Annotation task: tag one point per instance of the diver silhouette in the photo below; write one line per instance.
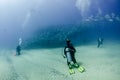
(100, 42)
(69, 53)
(18, 48)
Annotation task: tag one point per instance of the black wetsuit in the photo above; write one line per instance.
(18, 49)
(72, 51)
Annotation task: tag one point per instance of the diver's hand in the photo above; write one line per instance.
(64, 56)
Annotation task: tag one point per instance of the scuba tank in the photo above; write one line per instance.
(68, 55)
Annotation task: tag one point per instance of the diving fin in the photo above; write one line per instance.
(81, 69)
(71, 71)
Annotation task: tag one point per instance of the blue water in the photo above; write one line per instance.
(83, 33)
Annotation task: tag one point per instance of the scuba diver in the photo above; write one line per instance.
(69, 53)
(100, 42)
(18, 48)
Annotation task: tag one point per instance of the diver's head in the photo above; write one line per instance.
(68, 41)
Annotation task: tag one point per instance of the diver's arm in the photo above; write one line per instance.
(64, 53)
(73, 49)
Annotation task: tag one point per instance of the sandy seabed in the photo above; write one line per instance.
(48, 64)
